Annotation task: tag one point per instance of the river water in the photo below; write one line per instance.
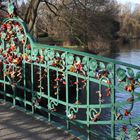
(129, 53)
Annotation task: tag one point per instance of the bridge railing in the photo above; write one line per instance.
(81, 90)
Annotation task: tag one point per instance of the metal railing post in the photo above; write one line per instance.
(32, 85)
(113, 103)
(88, 103)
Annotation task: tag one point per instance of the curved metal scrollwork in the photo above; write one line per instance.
(52, 105)
(128, 81)
(71, 113)
(93, 113)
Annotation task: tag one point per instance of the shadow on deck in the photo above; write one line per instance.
(16, 125)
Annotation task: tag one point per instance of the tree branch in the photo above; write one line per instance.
(48, 5)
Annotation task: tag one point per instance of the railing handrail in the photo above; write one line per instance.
(98, 57)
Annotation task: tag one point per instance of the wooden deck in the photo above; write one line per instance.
(16, 125)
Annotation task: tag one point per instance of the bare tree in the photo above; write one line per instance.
(76, 22)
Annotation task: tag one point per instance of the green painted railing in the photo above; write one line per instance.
(76, 89)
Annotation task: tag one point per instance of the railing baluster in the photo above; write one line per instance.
(67, 100)
(67, 95)
(24, 79)
(113, 102)
(88, 108)
(48, 83)
(4, 82)
(14, 91)
(32, 85)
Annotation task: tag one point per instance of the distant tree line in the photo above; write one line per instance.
(92, 24)
(129, 21)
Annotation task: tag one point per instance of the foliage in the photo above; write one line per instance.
(74, 22)
(130, 21)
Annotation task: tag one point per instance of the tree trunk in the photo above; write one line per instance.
(31, 14)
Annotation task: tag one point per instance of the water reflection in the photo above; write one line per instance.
(129, 53)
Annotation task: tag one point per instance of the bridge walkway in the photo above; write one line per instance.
(17, 125)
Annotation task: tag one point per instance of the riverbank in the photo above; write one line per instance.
(100, 48)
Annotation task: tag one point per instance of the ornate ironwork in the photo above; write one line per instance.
(45, 73)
